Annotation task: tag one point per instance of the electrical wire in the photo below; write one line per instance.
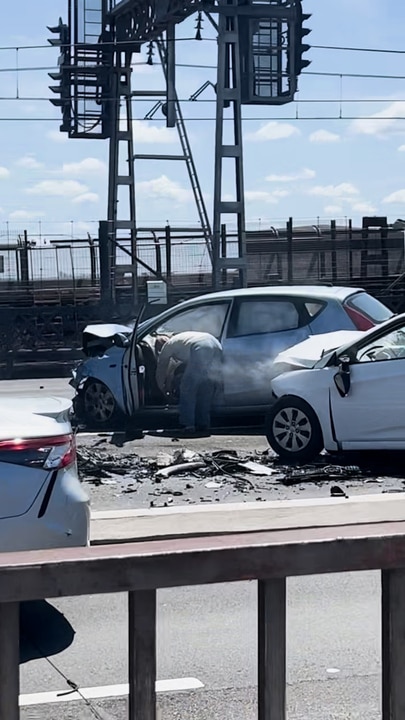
(114, 43)
(74, 688)
(358, 49)
(287, 118)
(196, 66)
(308, 101)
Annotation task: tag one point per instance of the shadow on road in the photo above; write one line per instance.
(44, 631)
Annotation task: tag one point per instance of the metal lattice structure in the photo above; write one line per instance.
(260, 52)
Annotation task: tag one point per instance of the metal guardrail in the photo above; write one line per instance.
(269, 557)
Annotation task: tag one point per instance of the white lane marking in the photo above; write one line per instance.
(106, 691)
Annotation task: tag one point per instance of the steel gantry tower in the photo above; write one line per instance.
(260, 47)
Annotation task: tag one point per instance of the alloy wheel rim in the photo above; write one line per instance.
(292, 429)
(99, 402)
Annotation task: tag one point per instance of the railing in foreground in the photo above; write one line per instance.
(268, 556)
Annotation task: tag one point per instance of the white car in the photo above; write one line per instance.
(42, 502)
(353, 398)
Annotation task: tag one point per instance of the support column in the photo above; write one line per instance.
(9, 661)
(141, 655)
(122, 139)
(393, 644)
(272, 649)
(229, 95)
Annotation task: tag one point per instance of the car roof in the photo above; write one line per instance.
(315, 292)
(324, 292)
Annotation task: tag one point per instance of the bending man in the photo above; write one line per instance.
(201, 354)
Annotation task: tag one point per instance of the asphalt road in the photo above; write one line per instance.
(208, 633)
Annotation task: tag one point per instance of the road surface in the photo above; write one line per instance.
(209, 634)
(206, 637)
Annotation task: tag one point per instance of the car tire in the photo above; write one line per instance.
(293, 430)
(98, 405)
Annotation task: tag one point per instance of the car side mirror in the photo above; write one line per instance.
(342, 377)
(121, 340)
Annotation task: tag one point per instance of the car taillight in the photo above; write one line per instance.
(50, 453)
(361, 321)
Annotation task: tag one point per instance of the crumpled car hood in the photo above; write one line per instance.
(98, 338)
(307, 353)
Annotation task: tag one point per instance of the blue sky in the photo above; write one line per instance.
(316, 167)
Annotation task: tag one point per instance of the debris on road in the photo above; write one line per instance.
(257, 468)
(204, 476)
(180, 468)
(321, 472)
(337, 491)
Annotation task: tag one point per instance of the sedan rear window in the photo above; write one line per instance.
(369, 307)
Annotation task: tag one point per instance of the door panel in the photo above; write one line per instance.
(258, 330)
(373, 413)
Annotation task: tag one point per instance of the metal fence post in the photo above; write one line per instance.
(142, 655)
(272, 649)
(393, 643)
(290, 251)
(9, 660)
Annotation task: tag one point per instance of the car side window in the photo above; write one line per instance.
(314, 307)
(388, 347)
(209, 318)
(257, 317)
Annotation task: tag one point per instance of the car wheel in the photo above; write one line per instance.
(293, 430)
(98, 404)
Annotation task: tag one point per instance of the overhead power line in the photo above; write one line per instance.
(386, 51)
(358, 49)
(287, 118)
(211, 101)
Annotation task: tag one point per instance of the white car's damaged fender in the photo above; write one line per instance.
(306, 385)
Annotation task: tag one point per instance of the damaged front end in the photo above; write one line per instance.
(96, 339)
(104, 346)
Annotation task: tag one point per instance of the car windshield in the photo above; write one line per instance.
(388, 347)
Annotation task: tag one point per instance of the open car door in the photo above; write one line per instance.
(131, 370)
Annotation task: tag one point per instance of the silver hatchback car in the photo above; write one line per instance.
(117, 380)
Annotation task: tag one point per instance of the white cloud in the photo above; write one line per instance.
(401, 148)
(25, 215)
(164, 188)
(144, 133)
(58, 188)
(381, 123)
(395, 197)
(89, 197)
(260, 196)
(4, 173)
(85, 227)
(29, 162)
(87, 166)
(333, 210)
(57, 136)
(281, 193)
(364, 207)
(305, 174)
(273, 131)
(324, 136)
(344, 191)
